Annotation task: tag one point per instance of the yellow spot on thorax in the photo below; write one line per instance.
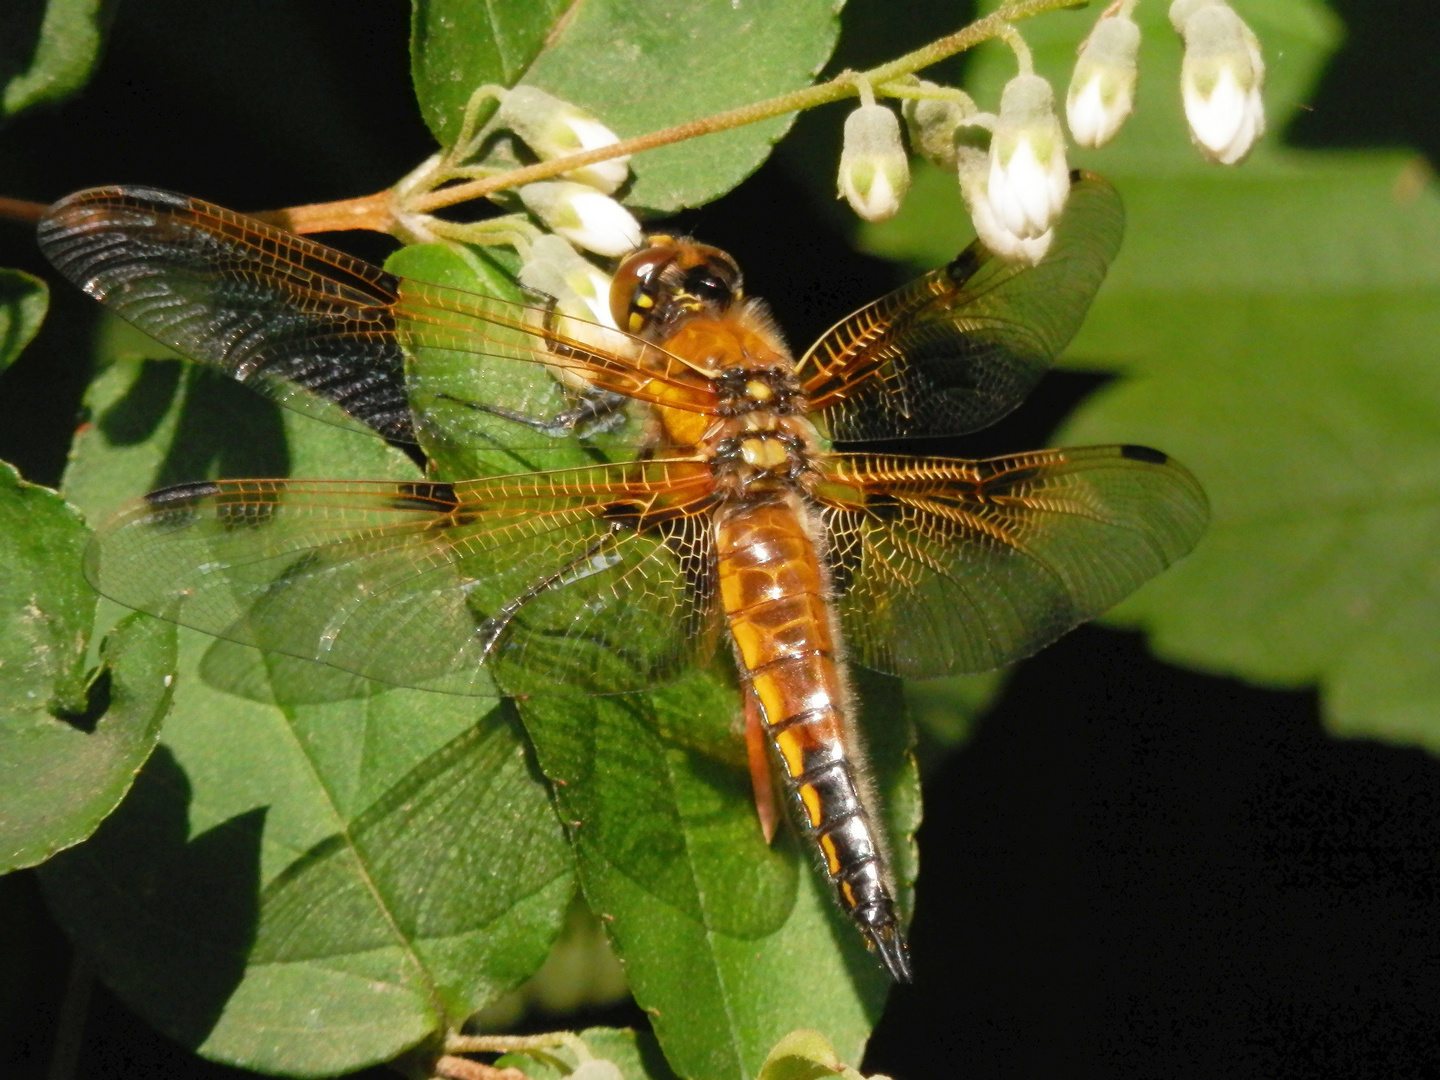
(762, 453)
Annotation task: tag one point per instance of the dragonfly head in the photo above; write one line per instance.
(672, 279)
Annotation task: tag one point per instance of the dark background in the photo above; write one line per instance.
(1131, 870)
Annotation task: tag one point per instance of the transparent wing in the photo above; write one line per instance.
(588, 580)
(945, 566)
(301, 322)
(962, 346)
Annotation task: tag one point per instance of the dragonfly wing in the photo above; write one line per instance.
(944, 566)
(305, 324)
(297, 321)
(956, 350)
(590, 580)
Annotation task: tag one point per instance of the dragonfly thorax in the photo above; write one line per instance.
(748, 390)
(761, 452)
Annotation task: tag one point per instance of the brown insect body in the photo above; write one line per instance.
(774, 586)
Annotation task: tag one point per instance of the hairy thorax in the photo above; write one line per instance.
(761, 444)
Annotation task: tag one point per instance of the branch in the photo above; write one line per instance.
(21, 210)
(380, 212)
(837, 89)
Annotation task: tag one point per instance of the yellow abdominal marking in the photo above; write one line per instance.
(761, 453)
(792, 751)
(811, 798)
(758, 391)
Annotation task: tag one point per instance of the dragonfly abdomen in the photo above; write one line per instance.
(776, 600)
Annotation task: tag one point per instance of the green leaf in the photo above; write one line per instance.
(65, 761)
(23, 300)
(637, 71)
(726, 942)
(459, 45)
(1277, 323)
(60, 777)
(48, 49)
(464, 442)
(46, 603)
(314, 872)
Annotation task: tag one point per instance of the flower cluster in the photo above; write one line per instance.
(1017, 189)
(578, 207)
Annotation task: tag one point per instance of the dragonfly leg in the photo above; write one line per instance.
(597, 412)
(582, 565)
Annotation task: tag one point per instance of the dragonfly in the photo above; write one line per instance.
(745, 507)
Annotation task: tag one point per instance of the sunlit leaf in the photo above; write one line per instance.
(1277, 322)
(47, 49)
(636, 68)
(804, 1055)
(67, 757)
(634, 1054)
(727, 942)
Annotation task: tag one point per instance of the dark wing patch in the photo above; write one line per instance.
(959, 348)
(291, 318)
(304, 324)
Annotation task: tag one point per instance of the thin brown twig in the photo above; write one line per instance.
(374, 212)
(842, 86)
(21, 210)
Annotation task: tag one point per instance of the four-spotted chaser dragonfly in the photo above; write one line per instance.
(728, 519)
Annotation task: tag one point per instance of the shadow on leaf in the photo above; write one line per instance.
(167, 920)
(225, 430)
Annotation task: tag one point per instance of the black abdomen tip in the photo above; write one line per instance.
(883, 934)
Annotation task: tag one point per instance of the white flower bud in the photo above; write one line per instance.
(555, 129)
(932, 123)
(580, 287)
(1102, 89)
(1221, 79)
(582, 299)
(874, 172)
(583, 216)
(1029, 179)
(973, 167)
